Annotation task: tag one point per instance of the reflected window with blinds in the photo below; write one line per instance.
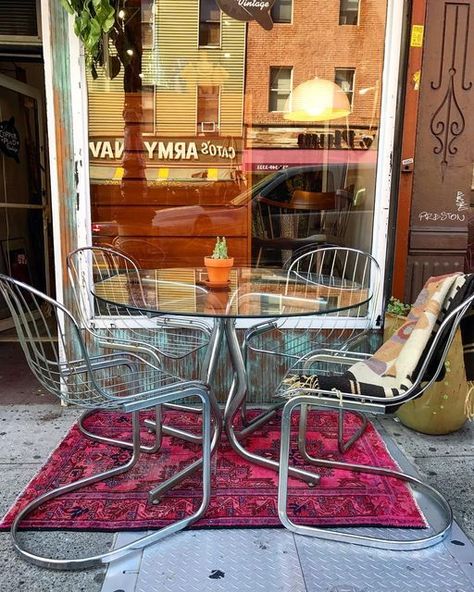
(20, 21)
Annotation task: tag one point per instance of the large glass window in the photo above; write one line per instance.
(209, 23)
(280, 88)
(210, 116)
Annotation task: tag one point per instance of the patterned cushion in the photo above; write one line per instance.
(389, 371)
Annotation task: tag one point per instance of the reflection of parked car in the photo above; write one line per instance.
(186, 233)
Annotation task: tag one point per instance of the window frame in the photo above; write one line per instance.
(153, 94)
(152, 22)
(27, 39)
(275, 90)
(357, 23)
(217, 131)
(351, 93)
(199, 45)
(290, 22)
(392, 74)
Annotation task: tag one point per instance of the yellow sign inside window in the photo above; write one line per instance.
(417, 35)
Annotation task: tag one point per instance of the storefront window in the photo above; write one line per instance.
(211, 118)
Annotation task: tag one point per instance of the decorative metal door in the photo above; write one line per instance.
(443, 171)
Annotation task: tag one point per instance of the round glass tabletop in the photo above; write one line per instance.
(249, 293)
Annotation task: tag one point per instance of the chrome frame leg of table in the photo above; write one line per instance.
(208, 370)
(235, 399)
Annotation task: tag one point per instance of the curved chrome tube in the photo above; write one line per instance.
(345, 537)
(103, 558)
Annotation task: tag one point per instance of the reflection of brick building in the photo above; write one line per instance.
(315, 44)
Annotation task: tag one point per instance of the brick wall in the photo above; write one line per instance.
(314, 44)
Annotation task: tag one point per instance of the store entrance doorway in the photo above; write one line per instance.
(25, 249)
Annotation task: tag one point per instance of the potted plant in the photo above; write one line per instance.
(395, 316)
(219, 264)
(441, 409)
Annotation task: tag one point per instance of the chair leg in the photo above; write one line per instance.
(342, 445)
(440, 531)
(97, 560)
(155, 494)
(157, 429)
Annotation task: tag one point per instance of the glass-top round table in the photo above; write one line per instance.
(252, 293)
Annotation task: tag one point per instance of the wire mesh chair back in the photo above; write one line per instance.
(91, 265)
(352, 277)
(33, 314)
(173, 338)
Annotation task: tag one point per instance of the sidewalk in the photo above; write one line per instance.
(29, 432)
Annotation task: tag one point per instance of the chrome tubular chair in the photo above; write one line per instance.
(337, 266)
(428, 368)
(160, 337)
(122, 381)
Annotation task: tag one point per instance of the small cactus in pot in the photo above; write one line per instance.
(219, 264)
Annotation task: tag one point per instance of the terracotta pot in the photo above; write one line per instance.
(442, 408)
(218, 270)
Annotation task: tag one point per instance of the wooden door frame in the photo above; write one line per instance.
(410, 120)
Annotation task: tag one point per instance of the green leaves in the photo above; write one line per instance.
(105, 14)
(397, 307)
(93, 18)
(67, 5)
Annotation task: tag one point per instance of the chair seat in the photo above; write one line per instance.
(391, 370)
(176, 342)
(132, 382)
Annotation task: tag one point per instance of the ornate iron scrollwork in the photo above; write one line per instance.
(448, 122)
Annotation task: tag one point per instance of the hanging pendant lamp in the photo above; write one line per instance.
(317, 100)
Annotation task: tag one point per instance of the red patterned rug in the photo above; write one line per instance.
(243, 495)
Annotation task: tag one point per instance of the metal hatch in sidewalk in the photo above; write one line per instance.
(276, 560)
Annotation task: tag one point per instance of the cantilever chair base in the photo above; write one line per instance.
(104, 558)
(440, 532)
